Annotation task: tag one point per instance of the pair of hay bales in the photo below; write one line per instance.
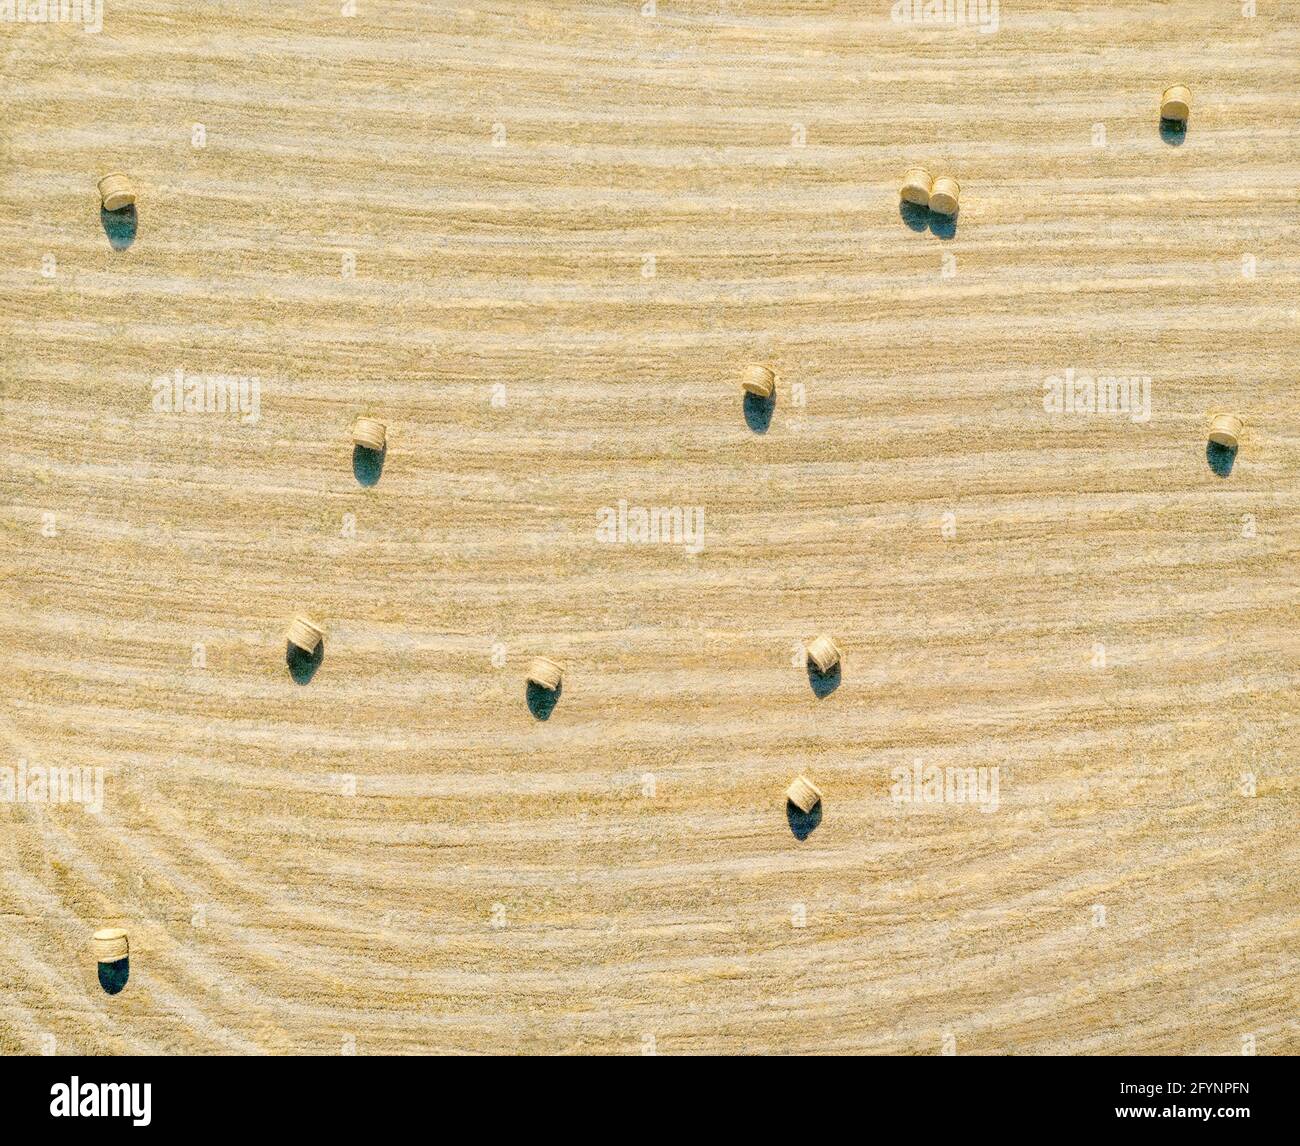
(1225, 429)
(306, 634)
(944, 193)
(941, 195)
(803, 793)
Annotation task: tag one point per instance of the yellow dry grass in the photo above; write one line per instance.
(398, 853)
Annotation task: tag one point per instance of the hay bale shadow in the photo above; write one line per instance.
(368, 464)
(914, 215)
(823, 683)
(943, 226)
(542, 700)
(758, 411)
(113, 976)
(303, 665)
(119, 226)
(1173, 131)
(802, 823)
(1220, 457)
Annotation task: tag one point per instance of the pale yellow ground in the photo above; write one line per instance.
(269, 911)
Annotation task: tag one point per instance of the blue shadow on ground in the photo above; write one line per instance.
(119, 226)
(758, 411)
(542, 701)
(1220, 458)
(1173, 131)
(914, 215)
(113, 976)
(920, 218)
(823, 683)
(368, 464)
(802, 823)
(942, 226)
(303, 666)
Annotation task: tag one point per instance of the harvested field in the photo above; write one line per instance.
(541, 242)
